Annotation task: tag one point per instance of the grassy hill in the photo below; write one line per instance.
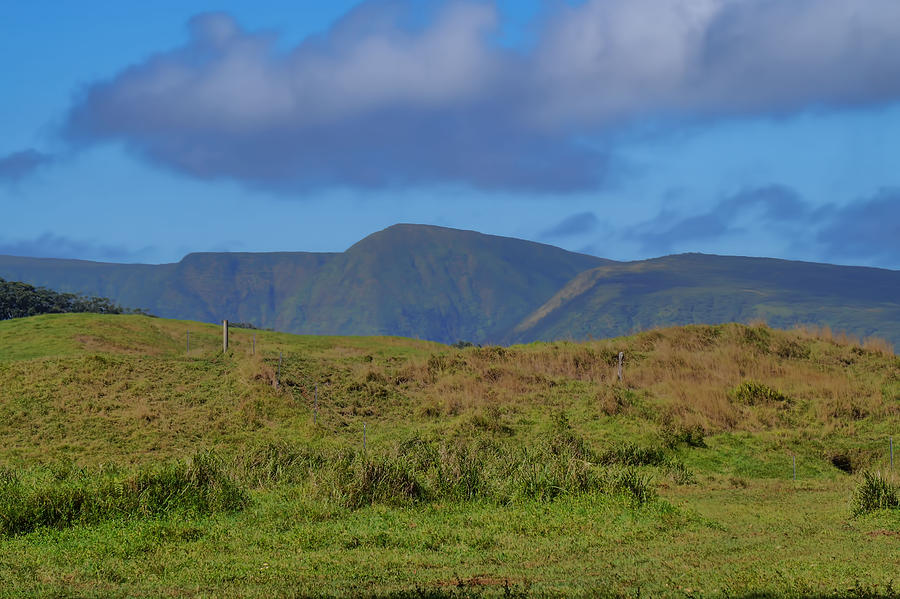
(615, 299)
(411, 280)
(380, 465)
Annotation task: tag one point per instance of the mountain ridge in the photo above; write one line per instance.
(447, 285)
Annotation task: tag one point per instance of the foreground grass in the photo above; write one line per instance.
(771, 539)
(382, 465)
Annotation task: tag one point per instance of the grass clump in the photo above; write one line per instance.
(65, 497)
(752, 393)
(631, 454)
(418, 471)
(874, 493)
(382, 480)
(673, 435)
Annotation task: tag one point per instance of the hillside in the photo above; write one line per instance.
(448, 285)
(411, 280)
(383, 466)
(615, 299)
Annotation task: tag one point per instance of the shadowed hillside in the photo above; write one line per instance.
(448, 285)
(411, 280)
(616, 299)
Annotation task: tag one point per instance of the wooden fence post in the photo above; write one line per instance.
(224, 336)
(621, 358)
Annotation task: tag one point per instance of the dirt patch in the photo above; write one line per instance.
(476, 581)
(884, 533)
(98, 344)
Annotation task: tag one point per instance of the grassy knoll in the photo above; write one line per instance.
(395, 467)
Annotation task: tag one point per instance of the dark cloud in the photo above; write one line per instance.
(576, 224)
(773, 205)
(864, 231)
(18, 165)
(49, 245)
(868, 229)
(386, 98)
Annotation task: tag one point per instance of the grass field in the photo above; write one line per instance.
(396, 467)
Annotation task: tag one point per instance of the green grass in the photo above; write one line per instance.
(131, 468)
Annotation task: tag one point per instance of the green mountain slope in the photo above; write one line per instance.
(411, 280)
(245, 287)
(694, 288)
(448, 285)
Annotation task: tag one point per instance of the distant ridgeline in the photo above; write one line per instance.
(448, 285)
(18, 300)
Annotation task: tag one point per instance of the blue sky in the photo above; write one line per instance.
(623, 128)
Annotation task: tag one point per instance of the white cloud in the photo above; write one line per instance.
(377, 102)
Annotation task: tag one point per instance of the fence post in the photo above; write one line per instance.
(224, 335)
(621, 357)
(253, 350)
(188, 342)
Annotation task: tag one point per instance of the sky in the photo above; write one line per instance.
(626, 129)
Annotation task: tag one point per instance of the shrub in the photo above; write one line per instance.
(673, 435)
(874, 493)
(752, 393)
(790, 349)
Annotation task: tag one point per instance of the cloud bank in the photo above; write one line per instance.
(383, 100)
(772, 205)
(575, 224)
(50, 245)
(18, 165)
(866, 229)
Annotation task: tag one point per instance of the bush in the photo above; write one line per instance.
(874, 493)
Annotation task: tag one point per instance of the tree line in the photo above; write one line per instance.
(18, 300)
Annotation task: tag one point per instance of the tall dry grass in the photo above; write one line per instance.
(684, 375)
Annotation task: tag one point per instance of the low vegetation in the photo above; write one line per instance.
(65, 496)
(875, 492)
(18, 300)
(302, 466)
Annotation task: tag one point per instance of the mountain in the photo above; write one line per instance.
(449, 285)
(695, 288)
(410, 280)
